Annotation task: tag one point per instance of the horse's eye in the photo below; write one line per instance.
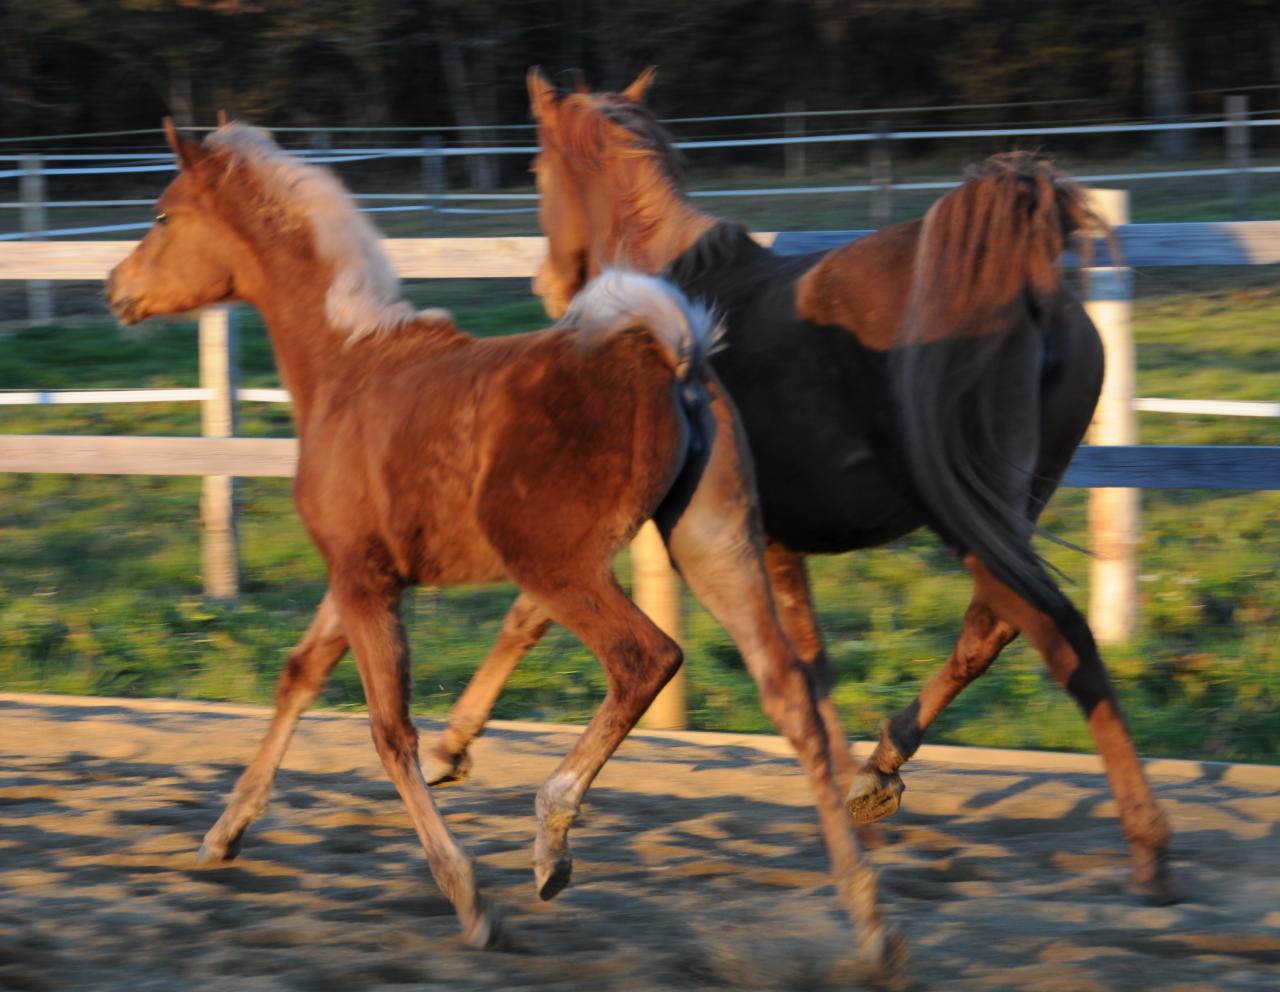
(162, 218)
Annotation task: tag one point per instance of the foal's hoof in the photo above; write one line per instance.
(1153, 880)
(485, 932)
(882, 958)
(552, 878)
(874, 795)
(215, 849)
(212, 852)
(441, 769)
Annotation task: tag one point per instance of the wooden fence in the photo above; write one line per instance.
(1111, 465)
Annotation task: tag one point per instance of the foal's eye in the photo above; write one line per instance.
(162, 218)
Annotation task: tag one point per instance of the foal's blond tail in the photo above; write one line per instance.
(621, 300)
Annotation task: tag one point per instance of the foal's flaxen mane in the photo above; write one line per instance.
(363, 298)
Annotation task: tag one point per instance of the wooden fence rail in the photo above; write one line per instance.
(1111, 467)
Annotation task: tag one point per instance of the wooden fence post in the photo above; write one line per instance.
(31, 189)
(1236, 110)
(1113, 513)
(657, 591)
(218, 360)
(795, 153)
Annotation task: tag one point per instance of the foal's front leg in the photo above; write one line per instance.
(303, 677)
(369, 606)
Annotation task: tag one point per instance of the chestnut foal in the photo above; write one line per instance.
(428, 456)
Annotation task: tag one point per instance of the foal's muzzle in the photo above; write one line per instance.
(126, 308)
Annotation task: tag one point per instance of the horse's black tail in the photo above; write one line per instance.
(967, 369)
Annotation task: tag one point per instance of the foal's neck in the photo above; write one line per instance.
(317, 360)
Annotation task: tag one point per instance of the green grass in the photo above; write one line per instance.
(100, 588)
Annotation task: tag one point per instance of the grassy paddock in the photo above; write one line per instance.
(100, 587)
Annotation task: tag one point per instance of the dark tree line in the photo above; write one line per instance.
(88, 65)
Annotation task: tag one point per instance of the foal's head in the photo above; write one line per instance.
(602, 160)
(191, 254)
(246, 220)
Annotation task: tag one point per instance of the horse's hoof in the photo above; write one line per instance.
(874, 795)
(1153, 881)
(441, 770)
(485, 931)
(552, 878)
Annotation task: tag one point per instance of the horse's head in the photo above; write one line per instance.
(569, 172)
(188, 257)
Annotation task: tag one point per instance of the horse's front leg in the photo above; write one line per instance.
(445, 759)
(303, 677)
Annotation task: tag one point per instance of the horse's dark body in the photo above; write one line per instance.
(817, 403)
(938, 373)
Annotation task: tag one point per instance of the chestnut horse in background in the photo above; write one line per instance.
(937, 373)
(428, 456)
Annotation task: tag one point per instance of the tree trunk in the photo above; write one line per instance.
(1166, 80)
(481, 168)
(181, 102)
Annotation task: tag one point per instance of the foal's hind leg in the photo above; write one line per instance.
(716, 543)
(638, 658)
(790, 581)
(877, 789)
(303, 677)
(445, 760)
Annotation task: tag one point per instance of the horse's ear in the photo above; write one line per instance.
(580, 81)
(223, 119)
(188, 152)
(637, 90)
(542, 96)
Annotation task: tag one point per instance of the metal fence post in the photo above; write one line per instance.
(1236, 110)
(433, 183)
(32, 193)
(795, 153)
(881, 165)
(1113, 513)
(218, 361)
(657, 591)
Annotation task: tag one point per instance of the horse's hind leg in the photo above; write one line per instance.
(877, 789)
(309, 664)
(1069, 651)
(715, 542)
(445, 760)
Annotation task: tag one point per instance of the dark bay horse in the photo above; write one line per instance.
(428, 456)
(938, 373)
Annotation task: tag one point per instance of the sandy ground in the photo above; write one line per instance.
(697, 867)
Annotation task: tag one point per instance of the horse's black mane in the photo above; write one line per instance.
(723, 247)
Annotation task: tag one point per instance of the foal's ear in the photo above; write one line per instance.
(637, 90)
(542, 96)
(188, 152)
(223, 119)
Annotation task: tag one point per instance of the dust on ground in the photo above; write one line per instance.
(697, 867)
